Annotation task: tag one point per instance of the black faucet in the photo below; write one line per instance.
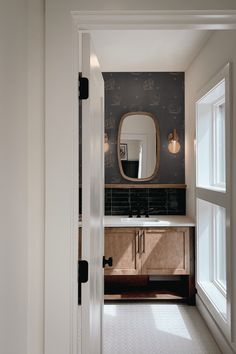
(140, 211)
(138, 205)
(147, 211)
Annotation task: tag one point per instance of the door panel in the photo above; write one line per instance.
(92, 200)
(165, 251)
(122, 245)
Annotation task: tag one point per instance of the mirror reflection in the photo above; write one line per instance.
(138, 146)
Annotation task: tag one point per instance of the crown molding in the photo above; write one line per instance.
(198, 20)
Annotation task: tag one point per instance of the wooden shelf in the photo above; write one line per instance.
(144, 296)
(145, 185)
(139, 288)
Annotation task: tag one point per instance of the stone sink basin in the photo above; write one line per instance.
(136, 220)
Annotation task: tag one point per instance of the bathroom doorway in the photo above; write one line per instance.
(51, 292)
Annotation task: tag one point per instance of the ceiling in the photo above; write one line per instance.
(147, 50)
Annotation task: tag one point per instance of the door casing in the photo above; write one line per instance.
(63, 26)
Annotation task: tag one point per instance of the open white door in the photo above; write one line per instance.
(92, 200)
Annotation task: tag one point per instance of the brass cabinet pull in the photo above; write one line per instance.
(137, 238)
(143, 233)
(140, 241)
(140, 238)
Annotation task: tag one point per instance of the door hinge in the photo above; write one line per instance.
(83, 88)
(83, 271)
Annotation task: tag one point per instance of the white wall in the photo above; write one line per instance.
(219, 50)
(36, 80)
(14, 179)
(21, 176)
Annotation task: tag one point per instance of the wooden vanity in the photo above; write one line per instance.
(141, 254)
(148, 251)
(151, 262)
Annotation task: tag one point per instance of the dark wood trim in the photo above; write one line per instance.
(145, 185)
(191, 279)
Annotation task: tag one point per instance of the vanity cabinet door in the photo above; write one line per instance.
(165, 251)
(122, 245)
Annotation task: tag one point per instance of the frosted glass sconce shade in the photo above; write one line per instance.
(173, 142)
(106, 143)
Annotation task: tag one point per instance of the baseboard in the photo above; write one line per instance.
(221, 341)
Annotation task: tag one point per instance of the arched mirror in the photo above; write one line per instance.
(138, 146)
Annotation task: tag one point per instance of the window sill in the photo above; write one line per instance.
(216, 297)
(212, 188)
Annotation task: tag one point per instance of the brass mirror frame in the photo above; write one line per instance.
(158, 145)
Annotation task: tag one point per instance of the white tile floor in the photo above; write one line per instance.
(156, 329)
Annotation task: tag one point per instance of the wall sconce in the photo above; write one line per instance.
(173, 142)
(106, 143)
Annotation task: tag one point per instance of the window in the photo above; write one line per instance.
(212, 253)
(213, 198)
(214, 242)
(211, 138)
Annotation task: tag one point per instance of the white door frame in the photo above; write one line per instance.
(61, 146)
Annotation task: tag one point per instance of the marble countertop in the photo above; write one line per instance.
(152, 221)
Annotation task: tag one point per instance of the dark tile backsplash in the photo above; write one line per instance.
(157, 201)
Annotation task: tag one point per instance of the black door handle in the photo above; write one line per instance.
(83, 271)
(108, 261)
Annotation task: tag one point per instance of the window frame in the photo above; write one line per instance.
(219, 197)
(213, 177)
(215, 278)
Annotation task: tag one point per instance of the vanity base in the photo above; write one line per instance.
(141, 288)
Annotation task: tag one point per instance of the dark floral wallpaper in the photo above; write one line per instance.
(160, 93)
